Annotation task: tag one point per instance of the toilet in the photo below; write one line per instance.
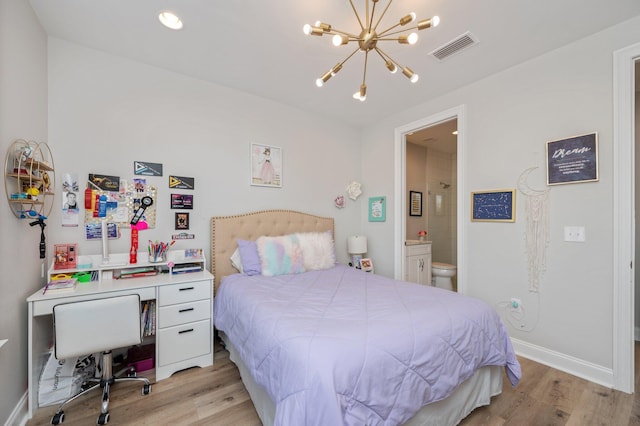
(442, 274)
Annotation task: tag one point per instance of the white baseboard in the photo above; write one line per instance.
(20, 413)
(575, 366)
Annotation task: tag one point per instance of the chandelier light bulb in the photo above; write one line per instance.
(413, 38)
(306, 29)
(339, 40)
(319, 82)
(414, 78)
(358, 97)
(391, 67)
(435, 21)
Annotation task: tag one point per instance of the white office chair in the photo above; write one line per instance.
(98, 325)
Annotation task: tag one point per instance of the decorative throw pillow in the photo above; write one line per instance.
(236, 260)
(280, 255)
(249, 257)
(317, 249)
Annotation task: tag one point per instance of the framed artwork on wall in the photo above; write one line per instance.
(377, 209)
(266, 165)
(182, 220)
(493, 206)
(573, 160)
(415, 203)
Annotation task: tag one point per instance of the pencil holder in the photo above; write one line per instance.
(158, 257)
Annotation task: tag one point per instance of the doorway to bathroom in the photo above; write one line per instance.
(430, 172)
(428, 153)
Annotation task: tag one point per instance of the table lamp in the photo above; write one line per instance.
(356, 247)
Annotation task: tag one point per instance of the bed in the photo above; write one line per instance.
(336, 345)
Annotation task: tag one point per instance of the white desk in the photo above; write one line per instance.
(184, 320)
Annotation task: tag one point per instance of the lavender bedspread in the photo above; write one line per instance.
(344, 347)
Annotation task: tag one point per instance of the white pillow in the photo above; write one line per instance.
(236, 260)
(317, 249)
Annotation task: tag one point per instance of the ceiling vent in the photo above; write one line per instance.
(454, 46)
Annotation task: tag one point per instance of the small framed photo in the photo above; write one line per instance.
(573, 160)
(266, 165)
(366, 264)
(415, 203)
(493, 206)
(377, 209)
(182, 220)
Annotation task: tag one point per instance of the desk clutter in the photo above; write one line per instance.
(92, 268)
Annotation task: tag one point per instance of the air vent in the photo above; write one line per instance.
(454, 46)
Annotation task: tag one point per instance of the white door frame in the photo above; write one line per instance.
(623, 216)
(401, 186)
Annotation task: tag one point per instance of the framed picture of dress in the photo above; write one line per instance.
(266, 165)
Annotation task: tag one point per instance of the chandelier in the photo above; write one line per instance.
(367, 40)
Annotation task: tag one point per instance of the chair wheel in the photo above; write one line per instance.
(132, 373)
(103, 419)
(146, 389)
(57, 418)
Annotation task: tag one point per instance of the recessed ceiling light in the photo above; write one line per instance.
(170, 20)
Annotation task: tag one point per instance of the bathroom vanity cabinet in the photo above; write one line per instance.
(417, 267)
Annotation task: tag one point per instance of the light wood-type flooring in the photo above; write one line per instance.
(216, 396)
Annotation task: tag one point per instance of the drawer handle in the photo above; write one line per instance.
(186, 288)
(185, 310)
(185, 331)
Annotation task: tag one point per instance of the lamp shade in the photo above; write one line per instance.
(357, 244)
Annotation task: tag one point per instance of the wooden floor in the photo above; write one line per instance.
(216, 396)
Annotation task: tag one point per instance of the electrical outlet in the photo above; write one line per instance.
(516, 305)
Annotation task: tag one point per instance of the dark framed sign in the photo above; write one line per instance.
(415, 203)
(181, 201)
(493, 206)
(573, 160)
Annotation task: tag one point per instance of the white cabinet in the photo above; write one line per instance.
(184, 337)
(417, 267)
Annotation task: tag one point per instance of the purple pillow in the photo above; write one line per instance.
(249, 257)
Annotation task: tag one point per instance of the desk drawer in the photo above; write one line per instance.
(184, 312)
(45, 306)
(185, 292)
(184, 341)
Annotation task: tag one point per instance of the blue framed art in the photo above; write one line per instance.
(493, 206)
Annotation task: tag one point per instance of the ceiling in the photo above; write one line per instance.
(259, 47)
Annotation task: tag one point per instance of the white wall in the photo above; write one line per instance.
(23, 115)
(107, 112)
(509, 118)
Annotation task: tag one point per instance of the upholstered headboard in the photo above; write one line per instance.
(226, 230)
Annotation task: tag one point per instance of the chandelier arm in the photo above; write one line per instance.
(356, 13)
(364, 74)
(380, 34)
(387, 33)
(348, 57)
(340, 32)
(382, 16)
(386, 55)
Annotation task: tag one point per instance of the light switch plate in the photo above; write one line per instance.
(574, 234)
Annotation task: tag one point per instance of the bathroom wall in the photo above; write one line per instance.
(416, 180)
(441, 205)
